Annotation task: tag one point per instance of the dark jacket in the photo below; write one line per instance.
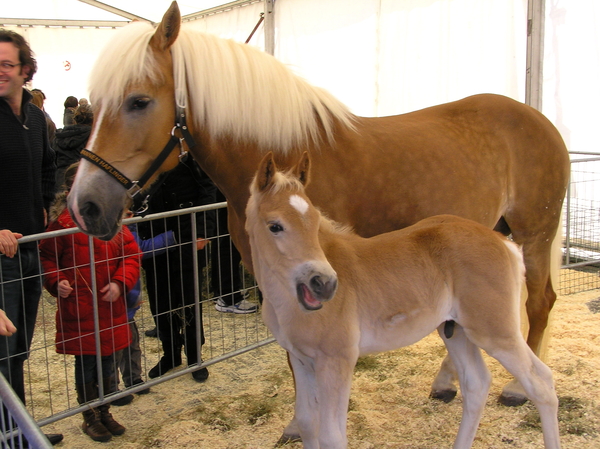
(68, 143)
(27, 169)
(183, 187)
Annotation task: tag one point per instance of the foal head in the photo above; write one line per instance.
(283, 226)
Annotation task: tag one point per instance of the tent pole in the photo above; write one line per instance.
(270, 27)
(535, 53)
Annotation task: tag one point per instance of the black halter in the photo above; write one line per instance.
(134, 187)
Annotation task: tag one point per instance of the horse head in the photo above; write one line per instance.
(283, 226)
(132, 91)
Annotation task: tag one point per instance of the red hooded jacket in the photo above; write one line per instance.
(68, 257)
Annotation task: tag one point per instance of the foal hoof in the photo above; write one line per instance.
(287, 439)
(512, 400)
(446, 396)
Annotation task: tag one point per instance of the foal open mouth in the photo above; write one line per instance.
(306, 298)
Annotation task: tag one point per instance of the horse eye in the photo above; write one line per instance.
(275, 228)
(140, 103)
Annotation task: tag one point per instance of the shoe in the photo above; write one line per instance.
(244, 306)
(165, 364)
(54, 438)
(144, 391)
(123, 400)
(151, 333)
(201, 375)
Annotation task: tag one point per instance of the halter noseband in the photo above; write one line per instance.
(134, 187)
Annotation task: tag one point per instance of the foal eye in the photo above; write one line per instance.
(275, 228)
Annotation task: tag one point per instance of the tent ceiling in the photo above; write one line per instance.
(81, 12)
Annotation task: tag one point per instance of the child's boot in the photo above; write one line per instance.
(92, 424)
(105, 416)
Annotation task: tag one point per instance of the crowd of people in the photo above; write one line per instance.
(39, 164)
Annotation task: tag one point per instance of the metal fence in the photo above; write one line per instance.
(49, 376)
(581, 226)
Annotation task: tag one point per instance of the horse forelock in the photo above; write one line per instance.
(238, 90)
(125, 60)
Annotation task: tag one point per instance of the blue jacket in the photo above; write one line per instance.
(151, 247)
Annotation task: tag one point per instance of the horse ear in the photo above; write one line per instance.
(168, 29)
(302, 170)
(266, 172)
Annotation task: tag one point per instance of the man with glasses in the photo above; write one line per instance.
(27, 185)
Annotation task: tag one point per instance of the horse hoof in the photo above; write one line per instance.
(287, 439)
(443, 395)
(512, 400)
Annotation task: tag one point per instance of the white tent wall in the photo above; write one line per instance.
(385, 57)
(571, 92)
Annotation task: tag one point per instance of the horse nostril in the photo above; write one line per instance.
(90, 210)
(316, 284)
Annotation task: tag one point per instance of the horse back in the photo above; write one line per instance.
(477, 158)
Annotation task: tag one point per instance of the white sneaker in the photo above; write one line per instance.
(244, 306)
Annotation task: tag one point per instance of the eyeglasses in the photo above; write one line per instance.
(6, 67)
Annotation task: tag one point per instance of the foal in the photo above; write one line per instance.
(331, 296)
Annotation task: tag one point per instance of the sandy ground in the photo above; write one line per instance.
(248, 400)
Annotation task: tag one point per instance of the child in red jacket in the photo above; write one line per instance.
(68, 277)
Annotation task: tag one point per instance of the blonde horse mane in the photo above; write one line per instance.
(234, 89)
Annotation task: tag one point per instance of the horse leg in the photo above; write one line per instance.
(536, 379)
(307, 408)
(444, 385)
(291, 433)
(334, 379)
(540, 300)
(475, 381)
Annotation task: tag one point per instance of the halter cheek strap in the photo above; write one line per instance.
(134, 187)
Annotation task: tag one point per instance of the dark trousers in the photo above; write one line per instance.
(129, 360)
(20, 291)
(170, 286)
(225, 275)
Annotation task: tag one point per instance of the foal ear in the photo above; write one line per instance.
(266, 172)
(302, 169)
(168, 29)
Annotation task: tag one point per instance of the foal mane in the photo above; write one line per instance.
(233, 88)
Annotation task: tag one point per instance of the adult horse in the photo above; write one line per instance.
(382, 293)
(486, 157)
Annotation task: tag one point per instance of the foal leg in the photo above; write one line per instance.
(536, 379)
(291, 433)
(475, 380)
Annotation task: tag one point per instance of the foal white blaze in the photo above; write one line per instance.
(393, 290)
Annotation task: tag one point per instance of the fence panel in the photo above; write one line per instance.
(49, 376)
(581, 226)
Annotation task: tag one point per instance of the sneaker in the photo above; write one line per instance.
(152, 333)
(244, 306)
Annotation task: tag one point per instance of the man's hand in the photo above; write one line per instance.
(9, 242)
(7, 328)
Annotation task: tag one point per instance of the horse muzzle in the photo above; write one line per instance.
(319, 289)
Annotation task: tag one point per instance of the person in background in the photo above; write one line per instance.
(27, 185)
(38, 99)
(71, 104)
(68, 277)
(71, 139)
(226, 278)
(170, 276)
